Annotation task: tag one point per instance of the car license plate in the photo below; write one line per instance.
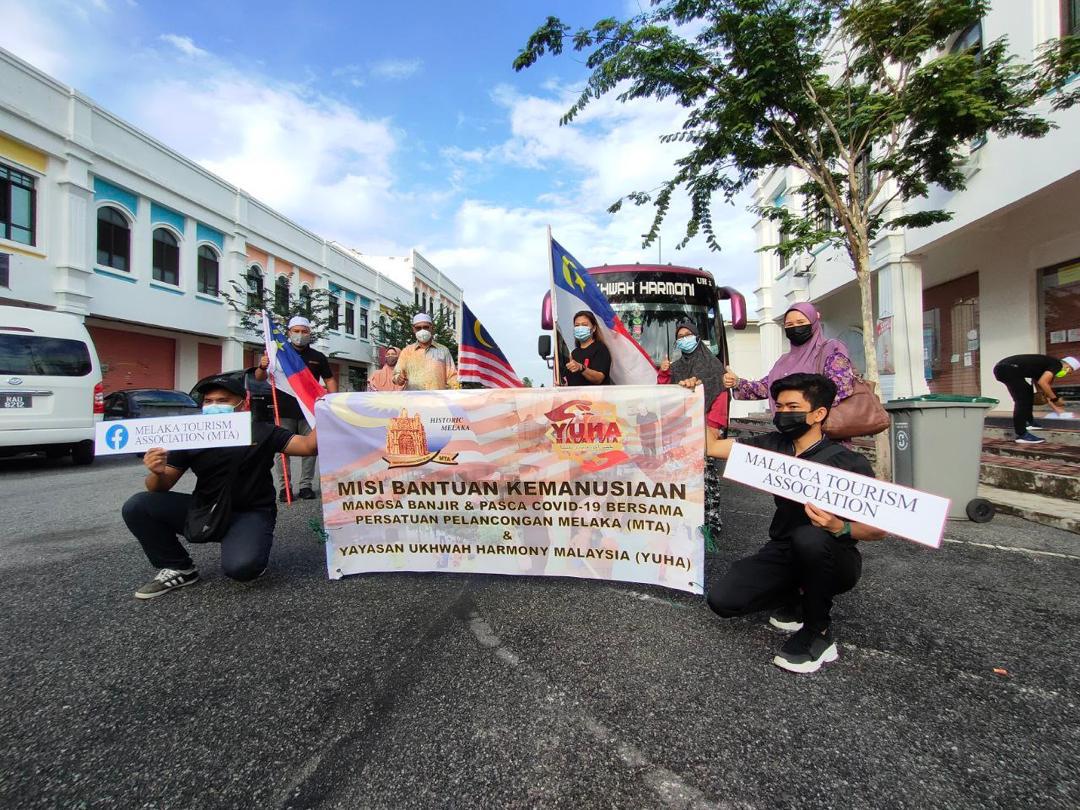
(14, 401)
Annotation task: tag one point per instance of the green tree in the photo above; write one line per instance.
(398, 331)
(282, 303)
(527, 382)
(866, 97)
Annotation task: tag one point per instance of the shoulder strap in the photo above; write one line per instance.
(830, 452)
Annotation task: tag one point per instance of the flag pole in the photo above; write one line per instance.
(273, 398)
(554, 313)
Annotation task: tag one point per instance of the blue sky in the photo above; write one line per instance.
(386, 126)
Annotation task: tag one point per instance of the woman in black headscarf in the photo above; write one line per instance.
(697, 361)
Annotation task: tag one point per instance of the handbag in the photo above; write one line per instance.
(860, 414)
(207, 522)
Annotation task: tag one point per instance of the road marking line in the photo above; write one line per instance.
(671, 789)
(1015, 549)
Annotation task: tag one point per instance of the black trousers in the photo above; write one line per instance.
(1022, 393)
(156, 518)
(813, 560)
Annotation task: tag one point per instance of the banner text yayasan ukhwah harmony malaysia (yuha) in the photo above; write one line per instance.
(603, 483)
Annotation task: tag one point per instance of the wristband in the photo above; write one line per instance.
(845, 529)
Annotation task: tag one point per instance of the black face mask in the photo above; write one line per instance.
(792, 424)
(798, 335)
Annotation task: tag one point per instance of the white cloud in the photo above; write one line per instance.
(396, 68)
(183, 44)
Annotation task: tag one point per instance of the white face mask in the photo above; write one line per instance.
(424, 335)
(299, 339)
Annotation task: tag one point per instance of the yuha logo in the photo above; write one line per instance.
(587, 432)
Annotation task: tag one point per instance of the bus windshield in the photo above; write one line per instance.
(651, 302)
(653, 325)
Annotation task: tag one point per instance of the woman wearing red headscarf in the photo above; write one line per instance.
(810, 353)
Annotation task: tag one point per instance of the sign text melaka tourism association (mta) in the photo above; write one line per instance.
(602, 483)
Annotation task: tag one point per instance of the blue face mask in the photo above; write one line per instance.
(686, 344)
(213, 408)
(582, 332)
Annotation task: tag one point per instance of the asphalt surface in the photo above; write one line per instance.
(463, 691)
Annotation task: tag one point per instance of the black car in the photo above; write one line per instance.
(262, 408)
(140, 403)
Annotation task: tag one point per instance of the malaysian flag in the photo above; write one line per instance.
(480, 360)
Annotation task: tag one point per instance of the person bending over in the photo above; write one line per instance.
(157, 516)
(1022, 374)
(812, 555)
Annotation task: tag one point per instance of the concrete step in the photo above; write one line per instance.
(1054, 479)
(1056, 431)
(1062, 514)
(1064, 453)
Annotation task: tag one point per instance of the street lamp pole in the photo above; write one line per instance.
(659, 247)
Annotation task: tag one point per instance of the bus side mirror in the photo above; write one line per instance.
(543, 346)
(738, 305)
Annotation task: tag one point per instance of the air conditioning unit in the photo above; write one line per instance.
(801, 266)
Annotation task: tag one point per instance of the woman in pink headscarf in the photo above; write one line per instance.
(811, 353)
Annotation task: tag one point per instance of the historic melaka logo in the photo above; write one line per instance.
(406, 443)
(587, 432)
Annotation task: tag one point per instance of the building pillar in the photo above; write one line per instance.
(74, 235)
(899, 328)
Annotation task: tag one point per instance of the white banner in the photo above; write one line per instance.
(173, 433)
(902, 511)
(603, 482)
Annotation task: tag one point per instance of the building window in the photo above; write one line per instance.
(305, 301)
(113, 239)
(1070, 17)
(333, 312)
(969, 40)
(18, 204)
(166, 258)
(281, 295)
(350, 318)
(208, 271)
(254, 287)
(363, 323)
(416, 296)
(383, 336)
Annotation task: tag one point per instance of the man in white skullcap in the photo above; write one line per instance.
(292, 418)
(425, 365)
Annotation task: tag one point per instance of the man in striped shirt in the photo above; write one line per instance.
(425, 365)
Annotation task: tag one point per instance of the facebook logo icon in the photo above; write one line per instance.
(116, 437)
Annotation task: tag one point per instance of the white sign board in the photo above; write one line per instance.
(173, 433)
(902, 511)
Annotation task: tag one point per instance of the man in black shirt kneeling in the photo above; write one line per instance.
(811, 555)
(236, 480)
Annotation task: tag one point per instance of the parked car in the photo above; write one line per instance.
(51, 396)
(141, 403)
(262, 408)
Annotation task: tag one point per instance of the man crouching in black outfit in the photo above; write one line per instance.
(157, 516)
(811, 555)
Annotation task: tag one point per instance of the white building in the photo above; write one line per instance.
(432, 290)
(101, 220)
(1001, 278)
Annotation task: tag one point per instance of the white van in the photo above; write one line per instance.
(51, 395)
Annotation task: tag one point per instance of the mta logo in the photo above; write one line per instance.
(116, 437)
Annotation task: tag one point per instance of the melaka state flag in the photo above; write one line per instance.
(480, 360)
(574, 290)
(289, 371)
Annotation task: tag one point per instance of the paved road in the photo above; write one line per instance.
(420, 691)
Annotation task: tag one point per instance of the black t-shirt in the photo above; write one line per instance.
(595, 358)
(789, 514)
(316, 361)
(1032, 366)
(254, 487)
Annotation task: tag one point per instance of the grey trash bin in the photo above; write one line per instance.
(937, 448)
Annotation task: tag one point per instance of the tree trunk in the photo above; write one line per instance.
(883, 462)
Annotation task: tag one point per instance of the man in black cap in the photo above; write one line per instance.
(233, 502)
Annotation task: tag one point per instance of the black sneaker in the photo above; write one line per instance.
(167, 579)
(788, 618)
(283, 496)
(307, 494)
(806, 651)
